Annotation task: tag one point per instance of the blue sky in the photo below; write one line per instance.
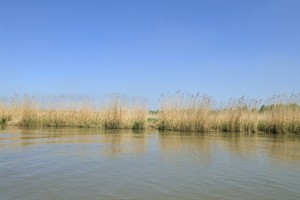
(147, 48)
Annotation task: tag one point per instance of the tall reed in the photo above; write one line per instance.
(188, 112)
(178, 112)
(185, 112)
(120, 112)
(281, 114)
(237, 116)
(116, 113)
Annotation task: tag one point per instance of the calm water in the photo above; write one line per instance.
(40, 164)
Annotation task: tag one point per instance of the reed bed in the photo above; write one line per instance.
(116, 113)
(281, 114)
(181, 112)
(178, 112)
(194, 112)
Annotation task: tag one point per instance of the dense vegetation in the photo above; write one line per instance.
(178, 112)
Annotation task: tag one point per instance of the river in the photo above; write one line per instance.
(50, 164)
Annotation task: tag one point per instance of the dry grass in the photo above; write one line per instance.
(119, 112)
(184, 112)
(239, 115)
(187, 112)
(179, 112)
(281, 114)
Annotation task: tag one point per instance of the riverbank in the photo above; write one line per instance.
(179, 112)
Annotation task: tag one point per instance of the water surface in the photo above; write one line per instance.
(42, 164)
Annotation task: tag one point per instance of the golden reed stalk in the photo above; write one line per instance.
(119, 112)
(188, 112)
(178, 112)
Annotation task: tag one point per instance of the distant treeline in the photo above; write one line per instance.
(178, 112)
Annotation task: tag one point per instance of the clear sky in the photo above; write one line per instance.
(147, 48)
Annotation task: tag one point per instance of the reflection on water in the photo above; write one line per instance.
(96, 164)
(115, 143)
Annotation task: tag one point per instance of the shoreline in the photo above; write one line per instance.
(179, 112)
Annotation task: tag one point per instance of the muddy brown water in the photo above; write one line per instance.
(42, 164)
